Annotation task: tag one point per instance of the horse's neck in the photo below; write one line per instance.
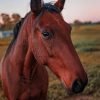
(21, 46)
(22, 53)
(29, 65)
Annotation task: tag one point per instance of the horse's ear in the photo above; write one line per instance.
(60, 4)
(36, 6)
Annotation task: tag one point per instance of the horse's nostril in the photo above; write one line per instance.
(77, 87)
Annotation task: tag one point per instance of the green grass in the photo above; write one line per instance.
(94, 80)
(86, 40)
(87, 46)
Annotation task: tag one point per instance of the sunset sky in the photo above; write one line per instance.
(83, 10)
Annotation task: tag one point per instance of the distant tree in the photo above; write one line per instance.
(6, 21)
(5, 18)
(87, 23)
(77, 22)
(97, 22)
(1, 26)
(16, 17)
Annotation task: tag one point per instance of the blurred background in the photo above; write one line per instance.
(84, 17)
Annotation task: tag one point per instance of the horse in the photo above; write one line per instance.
(42, 39)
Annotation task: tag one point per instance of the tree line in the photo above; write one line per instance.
(10, 21)
(78, 22)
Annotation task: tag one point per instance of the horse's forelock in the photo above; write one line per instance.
(51, 8)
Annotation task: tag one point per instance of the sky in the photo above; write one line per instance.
(83, 10)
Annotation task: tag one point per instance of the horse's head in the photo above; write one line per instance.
(52, 45)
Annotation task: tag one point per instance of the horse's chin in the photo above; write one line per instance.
(68, 90)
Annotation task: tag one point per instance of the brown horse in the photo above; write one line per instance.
(44, 39)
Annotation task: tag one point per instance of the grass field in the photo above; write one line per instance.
(86, 40)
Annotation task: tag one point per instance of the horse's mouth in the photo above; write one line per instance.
(77, 88)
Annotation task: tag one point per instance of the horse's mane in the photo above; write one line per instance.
(51, 8)
(16, 30)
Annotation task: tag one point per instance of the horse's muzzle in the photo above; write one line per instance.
(77, 86)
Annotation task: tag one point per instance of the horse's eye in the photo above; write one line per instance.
(47, 35)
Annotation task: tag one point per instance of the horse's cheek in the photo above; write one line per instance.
(40, 53)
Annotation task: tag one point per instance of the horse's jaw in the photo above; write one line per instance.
(72, 81)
